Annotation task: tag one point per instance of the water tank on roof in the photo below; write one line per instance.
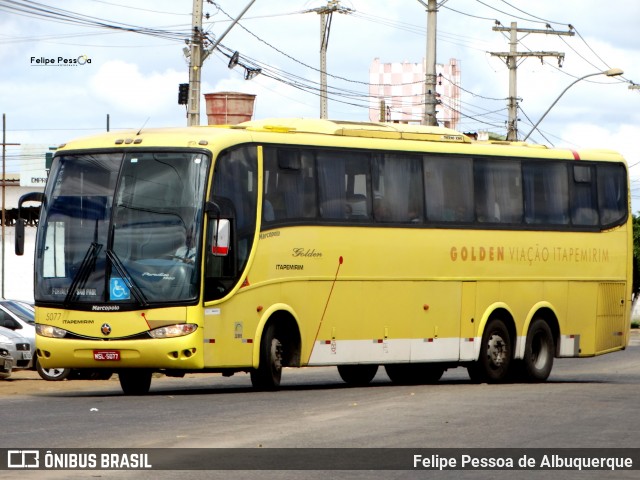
(229, 108)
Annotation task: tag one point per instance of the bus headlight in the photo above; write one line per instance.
(50, 331)
(171, 331)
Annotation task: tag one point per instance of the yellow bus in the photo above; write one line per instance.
(293, 243)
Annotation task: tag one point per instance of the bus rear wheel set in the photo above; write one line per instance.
(496, 364)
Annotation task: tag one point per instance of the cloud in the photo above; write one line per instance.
(125, 89)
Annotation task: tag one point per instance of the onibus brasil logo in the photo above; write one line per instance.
(60, 61)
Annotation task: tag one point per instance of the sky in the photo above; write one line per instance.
(131, 73)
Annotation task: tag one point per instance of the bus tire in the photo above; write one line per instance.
(414, 373)
(269, 372)
(357, 375)
(53, 374)
(495, 353)
(135, 381)
(539, 352)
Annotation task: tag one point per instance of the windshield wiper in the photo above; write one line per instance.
(124, 274)
(86, 267)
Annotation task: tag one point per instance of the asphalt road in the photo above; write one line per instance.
(586, 403)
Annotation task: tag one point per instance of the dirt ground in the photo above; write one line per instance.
(22, 382)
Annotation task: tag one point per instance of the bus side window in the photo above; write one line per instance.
(234, 191)
(344, 185)
(498, 190)
(289, 185)
(612, 193)
(583, 196)
(399, 189)
(448, 189)
(546, 193)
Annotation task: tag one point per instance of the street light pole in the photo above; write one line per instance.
(612, 72)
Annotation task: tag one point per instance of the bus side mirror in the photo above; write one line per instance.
(19, 232)
(220, 236)
(20, 222)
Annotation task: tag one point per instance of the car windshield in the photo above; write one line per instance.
(20, 310)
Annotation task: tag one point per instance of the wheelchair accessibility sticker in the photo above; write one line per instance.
(118, 290)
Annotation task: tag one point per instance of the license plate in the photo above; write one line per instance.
(26, 355)
(106, 355)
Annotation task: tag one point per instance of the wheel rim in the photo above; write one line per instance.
(276, 354)
(54, 372)
(497, 351)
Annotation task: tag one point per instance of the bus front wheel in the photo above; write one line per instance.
(52, 374)
(135, 381)
(357, 375)
(495, 354)
(539, 352)
(269, 372)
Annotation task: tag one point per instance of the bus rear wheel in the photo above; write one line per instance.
(539, 352)
(357, 375)
(135, 381)
(495, 354)
(269, 372)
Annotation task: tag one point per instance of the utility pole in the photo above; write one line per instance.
(430, 77)
(4, 188)
(197, 55)
(195, 65)
(326, 15)
(511, 59)
(324, 43)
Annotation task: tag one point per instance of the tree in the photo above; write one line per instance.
(636, 256)
(636, 267)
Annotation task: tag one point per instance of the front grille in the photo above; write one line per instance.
(137, 336)
(23, 347)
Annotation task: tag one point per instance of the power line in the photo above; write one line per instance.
(41, 11)
(466, 14)
(472, 93)
(506, 13)
(540, 20)
(140, 9)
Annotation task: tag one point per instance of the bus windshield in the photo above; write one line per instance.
(122, 229)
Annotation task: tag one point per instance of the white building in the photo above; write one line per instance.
(25, 172)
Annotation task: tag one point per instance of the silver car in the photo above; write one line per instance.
(19, 316)
(6, 360)
(19, 348)
(24, 326)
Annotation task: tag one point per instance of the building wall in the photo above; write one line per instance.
(16, 272)
(402, 85)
